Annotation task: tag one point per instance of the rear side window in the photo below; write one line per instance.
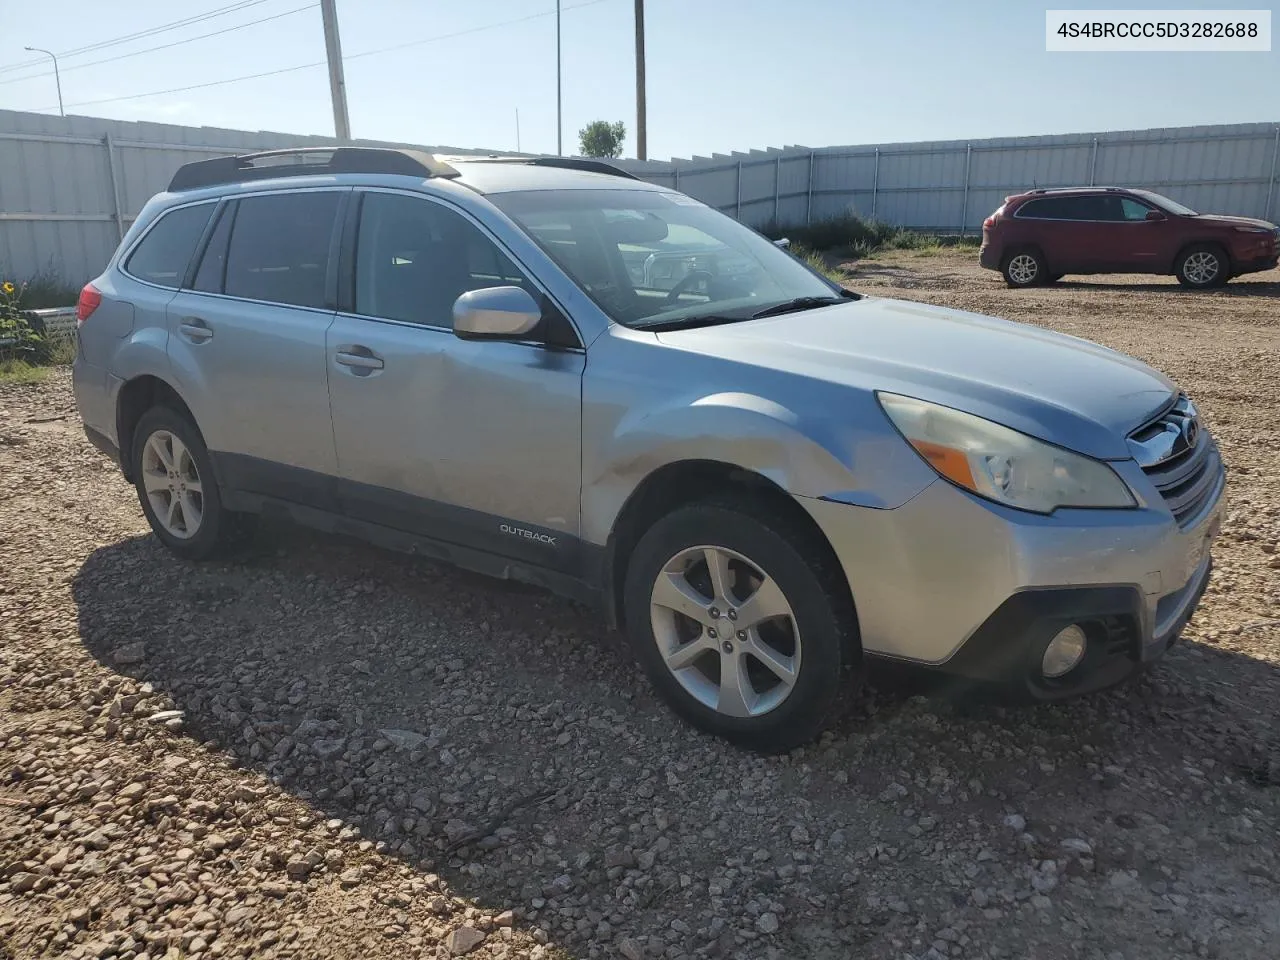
(1086, 207)
(165, 252)
(279, 249)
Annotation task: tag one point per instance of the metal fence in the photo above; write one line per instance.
(69, 187)
(952, 186)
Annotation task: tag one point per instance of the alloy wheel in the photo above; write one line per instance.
(1023, 269)
(172, 483)
(726, 631)
(1201, 267)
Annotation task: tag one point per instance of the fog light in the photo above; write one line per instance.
(1064, 652)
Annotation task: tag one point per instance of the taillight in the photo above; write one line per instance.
(988, 223)
(88, 302)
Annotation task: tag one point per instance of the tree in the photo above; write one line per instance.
(600, 138)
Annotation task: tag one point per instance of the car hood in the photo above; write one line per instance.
(1058, 388)
(1233, 221)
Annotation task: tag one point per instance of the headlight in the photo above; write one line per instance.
(1002, 464)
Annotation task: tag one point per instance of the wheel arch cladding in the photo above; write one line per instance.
(687, 482)
(135, 398)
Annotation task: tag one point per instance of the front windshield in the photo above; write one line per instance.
(1170, 206)
(650, 257)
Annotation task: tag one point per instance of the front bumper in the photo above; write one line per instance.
(1256, 264)
(959, 584)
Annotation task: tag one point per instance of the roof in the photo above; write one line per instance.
(504, 176)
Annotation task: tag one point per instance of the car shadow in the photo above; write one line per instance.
(529, 767)
(1235, 288)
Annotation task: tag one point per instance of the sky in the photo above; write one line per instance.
(722, 74)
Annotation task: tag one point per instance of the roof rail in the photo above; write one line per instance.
(583, 163)
(1081, 187)
(587, 164)
(308, 161)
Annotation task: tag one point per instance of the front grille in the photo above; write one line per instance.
(1180, 457)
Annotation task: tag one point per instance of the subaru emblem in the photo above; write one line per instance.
(1191, 432)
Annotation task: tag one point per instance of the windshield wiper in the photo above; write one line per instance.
(689, 323)
(802, 303)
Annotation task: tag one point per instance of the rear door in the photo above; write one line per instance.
(247, 343)
(1060, 226)
(476, 443)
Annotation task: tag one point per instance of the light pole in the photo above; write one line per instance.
(559, 125)
(642, 133)
(57, 77)
(337, 82)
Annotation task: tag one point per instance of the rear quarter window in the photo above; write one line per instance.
(166, 250)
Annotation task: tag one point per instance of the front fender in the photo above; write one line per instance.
(853, 459)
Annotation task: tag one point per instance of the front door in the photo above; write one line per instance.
(474, 443)
(1129, 242)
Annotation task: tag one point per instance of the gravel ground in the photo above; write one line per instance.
(322, 750)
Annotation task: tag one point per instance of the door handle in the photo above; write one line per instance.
(195, 329)
(363, 361)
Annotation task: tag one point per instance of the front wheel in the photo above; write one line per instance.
(1025, 268)
(177, 490)
(1201, 267)
(741, 634)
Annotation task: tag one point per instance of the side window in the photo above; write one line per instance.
(414, 258)
(165, 252)
(1133, 210)
(213, 265)
(1076, 208)
(1101, 208)
(279, 248)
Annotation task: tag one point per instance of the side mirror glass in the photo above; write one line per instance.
(495, 313)
(782, 243)
(1154, 215)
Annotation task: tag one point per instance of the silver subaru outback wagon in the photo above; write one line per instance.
(548, 370)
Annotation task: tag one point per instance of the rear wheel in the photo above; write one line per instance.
(740, 624)
(1025, 268)
(177, 490)
(1202, 266)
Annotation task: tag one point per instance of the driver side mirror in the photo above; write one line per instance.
(782, 243)
(1154, 215)
(495, 313)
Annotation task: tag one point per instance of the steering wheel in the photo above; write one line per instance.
(688, 280)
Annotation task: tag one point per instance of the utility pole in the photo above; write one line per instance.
(642, 134)
(517, 129)
(57, 77)
(337, 85)
(559, 124)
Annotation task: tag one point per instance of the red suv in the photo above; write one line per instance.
(1037, 237)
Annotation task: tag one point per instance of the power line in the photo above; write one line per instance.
(163, 46)
(321, 63)
(150, 31)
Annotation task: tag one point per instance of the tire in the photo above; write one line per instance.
(1025, 268)
(1202, 267)
(199, 527)
(816, 640)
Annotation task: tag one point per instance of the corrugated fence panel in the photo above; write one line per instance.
(58, 206)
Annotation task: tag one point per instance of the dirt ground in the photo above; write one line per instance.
(378, 757)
